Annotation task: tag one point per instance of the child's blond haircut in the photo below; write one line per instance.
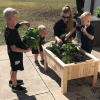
(41, 28)
(87, 15)
(9, 13)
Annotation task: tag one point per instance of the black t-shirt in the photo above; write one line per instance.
(12, 38)
(60, 28)
(41, 40)
(87, 44)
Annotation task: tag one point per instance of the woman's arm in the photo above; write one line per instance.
(70, 33)
(57, 32)
(59, 41)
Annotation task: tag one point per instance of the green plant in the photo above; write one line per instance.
(31, 38)
(69, 47)
(97, 11)
(55, 48)
(66, 60)
(62, 37)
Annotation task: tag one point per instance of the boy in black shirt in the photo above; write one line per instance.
(13, 42)
(87, 32)
(42, 33)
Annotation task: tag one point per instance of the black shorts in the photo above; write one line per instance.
(36, 51)
(16, 61)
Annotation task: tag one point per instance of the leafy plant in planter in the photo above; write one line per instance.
(62, 37)
(66, 60)
(55, 49)
(31, 38)
(69, 47)
(97, 12)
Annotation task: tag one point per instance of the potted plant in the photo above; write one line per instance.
(97, 14)
(31, 38)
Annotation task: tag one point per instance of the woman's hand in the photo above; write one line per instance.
(68, 40)
(67, 36)
(59, 41)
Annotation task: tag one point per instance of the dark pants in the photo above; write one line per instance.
(80, 5)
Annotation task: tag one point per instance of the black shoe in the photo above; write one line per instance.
(19, 82)
(18, 88)
(37, 63)
(42, 62)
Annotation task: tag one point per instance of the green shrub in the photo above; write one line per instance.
(66, 60)
(55, 48)
(31, 38)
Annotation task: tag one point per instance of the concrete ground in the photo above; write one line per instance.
(43, 85)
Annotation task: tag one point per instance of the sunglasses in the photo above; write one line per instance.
(65, 17)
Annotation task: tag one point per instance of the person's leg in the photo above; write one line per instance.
(36, 57)
(42, 55)
(14, 77)
(42, 58)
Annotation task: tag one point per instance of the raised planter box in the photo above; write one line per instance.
(71, 71)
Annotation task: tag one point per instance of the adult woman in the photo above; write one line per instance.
(64, 25)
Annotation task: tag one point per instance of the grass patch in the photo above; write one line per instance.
(37, 12)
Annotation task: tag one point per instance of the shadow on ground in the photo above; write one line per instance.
(97, 49)
(80, 88)
(26, 97)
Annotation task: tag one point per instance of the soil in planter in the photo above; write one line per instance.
(75, 57)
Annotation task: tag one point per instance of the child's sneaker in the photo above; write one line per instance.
(42, 61)
(18, 88)
(19, 82)
(36, 62)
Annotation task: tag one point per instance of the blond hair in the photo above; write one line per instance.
(87, 15)
(69, 24)
(10, 12)
(41, 28)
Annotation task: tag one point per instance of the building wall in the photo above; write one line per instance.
(97, 3)
(87, 5)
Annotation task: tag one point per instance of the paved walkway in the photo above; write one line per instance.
(43, 85)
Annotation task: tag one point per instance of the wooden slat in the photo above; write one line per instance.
(55, 66)
(78, 71)
(95, 74)
(45, 62)
(64, 82)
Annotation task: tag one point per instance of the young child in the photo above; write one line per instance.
(13, 42)
(87, 32)
(42, 32)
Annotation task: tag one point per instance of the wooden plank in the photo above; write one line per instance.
(64, 82)
(95, 74)
(45, 62)
(50, 54)
(80, 70)
(55, 66)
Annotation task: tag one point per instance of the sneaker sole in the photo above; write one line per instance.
(18, 90)
(17, 84)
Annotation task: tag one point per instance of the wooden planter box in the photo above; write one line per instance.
(71, 71)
